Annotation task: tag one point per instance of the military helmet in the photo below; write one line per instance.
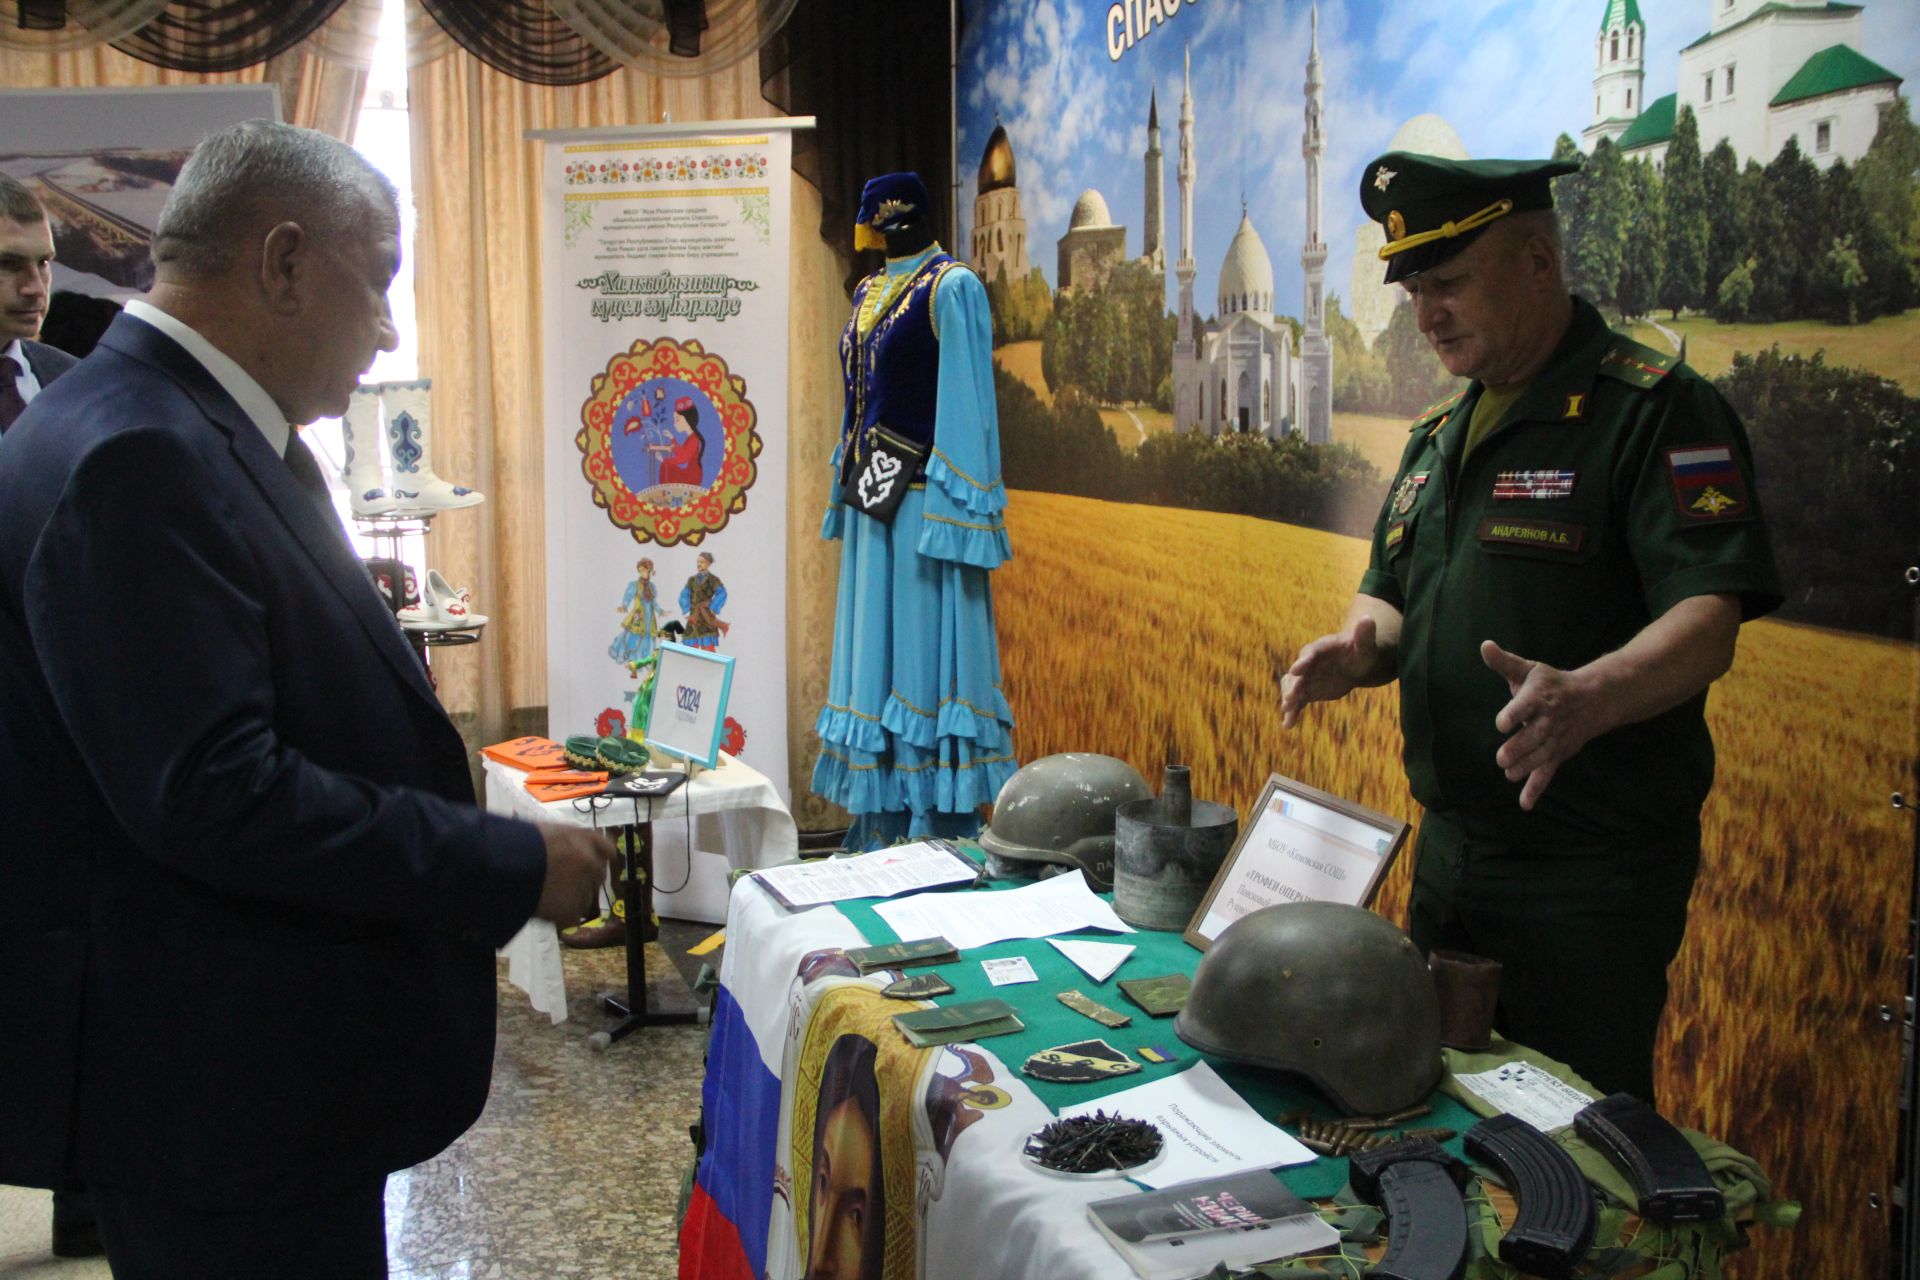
(1057, 813)
(1331, 992)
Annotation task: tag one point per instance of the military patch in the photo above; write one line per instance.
(1080, 1002)
(1576, 410)
(1408, 493)
(1081, 1062)
(1707, 484)
(921, 986)
(1635, 364)
(1540, 535)
(1532, 484)
(1154, 1053)
(1162, 996)
(1396, 534)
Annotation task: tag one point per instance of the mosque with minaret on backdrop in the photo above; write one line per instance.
(1238, 373)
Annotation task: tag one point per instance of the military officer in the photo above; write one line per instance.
(1558, 573)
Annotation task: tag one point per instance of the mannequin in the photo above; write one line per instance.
(916, 733)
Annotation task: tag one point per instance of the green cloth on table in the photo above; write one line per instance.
(1050, 1023)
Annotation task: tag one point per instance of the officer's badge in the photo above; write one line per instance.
(1706, 483)
(1383, 178)
(1396, 225)
(1408, 492)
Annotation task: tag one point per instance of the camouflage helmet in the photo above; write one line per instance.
(1057, 813)
(1331, 992)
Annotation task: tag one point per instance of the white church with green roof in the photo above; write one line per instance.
(1765, 71)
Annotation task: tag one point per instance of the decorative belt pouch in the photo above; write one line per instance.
(877, 486)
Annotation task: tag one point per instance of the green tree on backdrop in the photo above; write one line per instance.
(1726, 216)
(1683, 282)
(1644, 242)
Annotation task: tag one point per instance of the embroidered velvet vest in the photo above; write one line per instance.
(890, 358)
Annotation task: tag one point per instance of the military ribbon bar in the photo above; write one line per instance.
(1533, 484)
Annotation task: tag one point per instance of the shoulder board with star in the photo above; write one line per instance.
(1437, 410)
(1636, 364)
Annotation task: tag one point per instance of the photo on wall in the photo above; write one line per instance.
(102, 163)
(1205, 390)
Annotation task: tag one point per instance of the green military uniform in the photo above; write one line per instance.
(1618, 484)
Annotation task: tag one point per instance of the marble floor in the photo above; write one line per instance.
(572, 1173)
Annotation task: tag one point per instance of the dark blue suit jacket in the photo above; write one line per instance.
(48, 362)
(247, 907)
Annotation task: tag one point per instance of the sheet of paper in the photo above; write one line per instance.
(1009, 971)
(1098, 959)
(1207, 1128)
(1062, 904)
(924, 864)
(1543, 1100)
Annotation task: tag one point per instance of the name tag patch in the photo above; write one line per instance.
(1706, 483)
(1541, 535)
(1532, 484)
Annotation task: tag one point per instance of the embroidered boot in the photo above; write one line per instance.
(409, 440)
(360, 431)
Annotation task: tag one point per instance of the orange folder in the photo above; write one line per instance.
(527, 753)
(548, 792)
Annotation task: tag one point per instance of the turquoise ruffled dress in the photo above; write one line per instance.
(916, 732)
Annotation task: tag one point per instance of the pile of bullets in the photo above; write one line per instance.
(1357, 1133)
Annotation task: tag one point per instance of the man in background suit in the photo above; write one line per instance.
(247, 906)
(26, 367)
(26, 282)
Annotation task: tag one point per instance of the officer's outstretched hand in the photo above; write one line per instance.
(1328, 669)
(576, 865)
(1553, 714)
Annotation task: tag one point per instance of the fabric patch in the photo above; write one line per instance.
(1542, 535)
(1408, 492)
(1396, 534)
(1576, 410)
(1082, 1062)
(1532, 484)
(1707, 484)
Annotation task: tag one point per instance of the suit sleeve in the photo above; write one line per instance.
(144, 605)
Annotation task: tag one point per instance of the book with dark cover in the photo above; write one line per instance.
(1251, 1199)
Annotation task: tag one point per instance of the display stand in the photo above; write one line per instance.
(635, 842)
(389, 533)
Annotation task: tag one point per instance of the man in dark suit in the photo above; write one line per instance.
(26, 367)
(247, 906)
(26, 282)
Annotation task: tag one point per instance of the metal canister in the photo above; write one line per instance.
(1167, 851)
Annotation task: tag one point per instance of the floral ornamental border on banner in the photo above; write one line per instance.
(609, 170)
(668, 442)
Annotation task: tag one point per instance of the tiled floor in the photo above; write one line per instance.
(572, 1172)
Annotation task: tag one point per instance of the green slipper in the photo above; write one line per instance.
(583, 752)
(622, 755)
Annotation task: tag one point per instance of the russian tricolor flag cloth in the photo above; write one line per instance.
(769, 1201)
(1706, 483)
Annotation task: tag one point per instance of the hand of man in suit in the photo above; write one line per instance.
(576, 868)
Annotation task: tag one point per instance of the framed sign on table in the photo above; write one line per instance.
(690, 703)
(1299, 844)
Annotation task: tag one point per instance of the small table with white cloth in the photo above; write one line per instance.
(733, 807)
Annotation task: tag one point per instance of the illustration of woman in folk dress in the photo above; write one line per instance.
(639, 621)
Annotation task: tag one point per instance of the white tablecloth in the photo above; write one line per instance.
(736, 811)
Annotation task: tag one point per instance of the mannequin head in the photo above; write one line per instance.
(894, 215)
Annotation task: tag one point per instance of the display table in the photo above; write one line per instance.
(734, 810)
(957, 1197)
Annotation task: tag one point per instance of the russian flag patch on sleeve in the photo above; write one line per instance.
(1706, 483)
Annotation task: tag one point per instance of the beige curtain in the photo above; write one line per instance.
(478, 288)
(321, 80)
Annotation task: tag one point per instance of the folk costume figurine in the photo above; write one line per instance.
(701, 601)
(639, 618)
(916, 733)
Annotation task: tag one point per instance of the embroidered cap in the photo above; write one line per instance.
(1432, 208)
(888, 203)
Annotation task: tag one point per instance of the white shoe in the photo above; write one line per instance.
(417, 490)
(367, 489)
(442, 608)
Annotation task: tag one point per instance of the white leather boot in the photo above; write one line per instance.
(367, 487)
(416, 488)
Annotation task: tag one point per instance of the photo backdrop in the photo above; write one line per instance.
(1163, 200)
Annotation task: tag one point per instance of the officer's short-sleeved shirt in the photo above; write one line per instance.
(1618, 485)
